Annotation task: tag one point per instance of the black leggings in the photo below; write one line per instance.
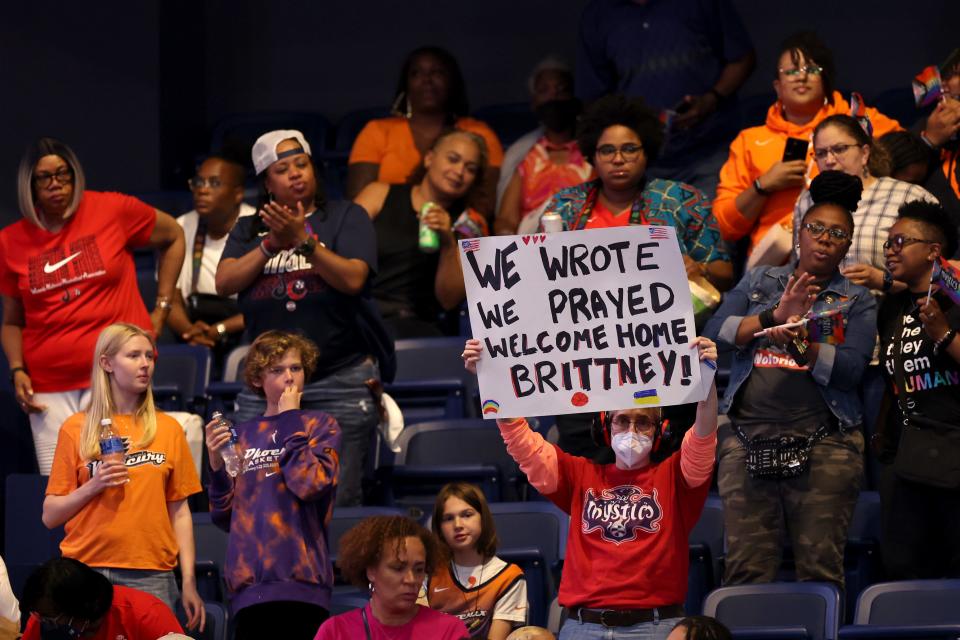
(291, 620)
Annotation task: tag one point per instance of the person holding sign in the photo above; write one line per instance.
(794, 449)
(416, 281)
(627, 555)
(920, 501)
(621, 138)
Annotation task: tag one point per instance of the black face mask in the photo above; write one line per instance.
(559, 115)
(58, 632)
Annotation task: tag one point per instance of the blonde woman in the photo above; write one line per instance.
(127, 520)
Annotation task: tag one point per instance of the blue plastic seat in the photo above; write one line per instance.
(540, 584)
(435, 453)
(28, 541)
(778, 610)
(181, 376)
(907, 609)
(706, 555)
(215, 627)
(431, 382)
(347, 600)
(345, 518)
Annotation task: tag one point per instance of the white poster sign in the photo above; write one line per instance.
(581, 321)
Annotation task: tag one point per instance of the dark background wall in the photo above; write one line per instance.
(137, 87)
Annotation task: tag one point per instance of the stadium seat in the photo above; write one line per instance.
(907, 609)
(28, 542)
(223, 393)
(431, 382)
(350, 125)
(181, 376)
(540, 585)
(215, 627)
(706, 553)
(509, 121)
(345, 518)
(540, 524)
(209, 539)
(344, 601)
(434, 453)
(777, 610)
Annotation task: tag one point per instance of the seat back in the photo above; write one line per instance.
(209, 539)
(706, 554)
(345, 518)
(813, 606)
(344, 601)
(233, 365)
(215, 627)
(532, 524)
(422, 361)
(910, 602)
(540, 589)
(510, 121)
(451, 442)
(182, 370)
(28, 542)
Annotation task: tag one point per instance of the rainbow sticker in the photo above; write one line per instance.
(490, 406)
(647, 396)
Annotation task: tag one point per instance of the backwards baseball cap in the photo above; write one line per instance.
(265, 148)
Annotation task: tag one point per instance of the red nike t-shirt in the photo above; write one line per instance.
(74, 283)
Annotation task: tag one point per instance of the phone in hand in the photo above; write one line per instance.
(796, 149)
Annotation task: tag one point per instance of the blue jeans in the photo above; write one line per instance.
(159, 583)
(575, 630)
(345, 396)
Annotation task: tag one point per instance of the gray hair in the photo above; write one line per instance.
(550, 63)
(46, 147)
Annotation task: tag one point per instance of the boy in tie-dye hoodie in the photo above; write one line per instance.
(277, 508)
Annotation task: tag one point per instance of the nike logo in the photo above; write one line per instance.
(439, 589)
(762, 143)
(50, 268)
(270, 473)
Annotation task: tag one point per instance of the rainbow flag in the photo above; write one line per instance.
(945, 275)
(826, 329)
(858, 111)
(647, 396)
(927, 87)
(490, 406)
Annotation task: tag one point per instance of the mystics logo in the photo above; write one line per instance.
(619, 512)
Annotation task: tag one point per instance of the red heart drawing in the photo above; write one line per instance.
(526, 239)
(543, 237)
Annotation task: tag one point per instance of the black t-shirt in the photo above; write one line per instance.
(932, 382)
(404, 285)
(779, 396)
(290, 295)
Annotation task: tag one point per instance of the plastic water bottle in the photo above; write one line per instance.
(111, 446)
(231, 459)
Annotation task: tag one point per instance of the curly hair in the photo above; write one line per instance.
(363, 546)
(613, 110)
(813, 50)
(471, 494)
(704, 628)
(935, 221)
(269, 348)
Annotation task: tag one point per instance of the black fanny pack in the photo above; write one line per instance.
(210, 308)
(779, 457)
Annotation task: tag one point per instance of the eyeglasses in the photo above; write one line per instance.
(197, 182)
(898, 242)
(629, 152)
(837, 236)
(810, 69)
(837, 150)
(62, 176)
(642, 423)
(75, 628)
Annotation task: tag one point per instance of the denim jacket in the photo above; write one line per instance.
(838, 368)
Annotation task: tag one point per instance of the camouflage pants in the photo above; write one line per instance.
(812, 511)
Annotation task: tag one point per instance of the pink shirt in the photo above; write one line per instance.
(426, 625)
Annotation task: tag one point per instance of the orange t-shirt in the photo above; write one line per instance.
(388, 142)
(126, 527)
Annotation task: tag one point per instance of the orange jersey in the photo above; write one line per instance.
(756, 150)
(388, 142)
(126, 527)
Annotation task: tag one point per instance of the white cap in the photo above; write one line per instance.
(265, 148)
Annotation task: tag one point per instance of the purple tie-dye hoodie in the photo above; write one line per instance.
(277, 509)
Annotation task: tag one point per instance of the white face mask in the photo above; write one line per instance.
(631, 449)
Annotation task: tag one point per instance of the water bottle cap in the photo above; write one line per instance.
(216, 414)
(105, 422)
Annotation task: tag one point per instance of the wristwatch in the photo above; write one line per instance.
(221, 331)
(307, 247)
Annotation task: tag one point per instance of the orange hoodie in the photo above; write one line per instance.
(757, 149)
